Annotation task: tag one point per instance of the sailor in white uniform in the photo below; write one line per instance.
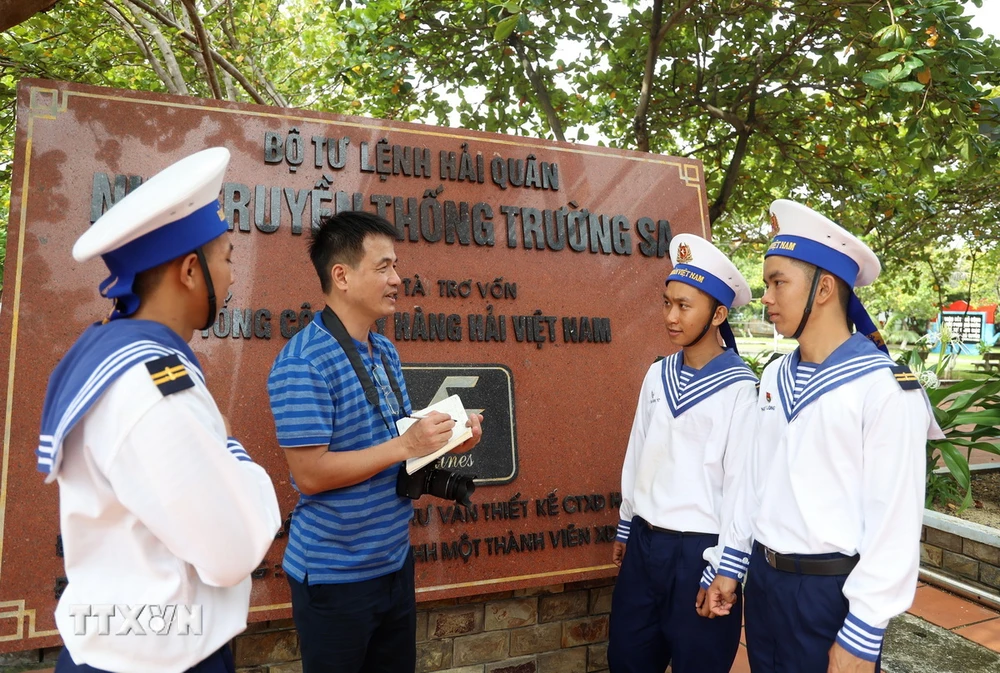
(831, 502)
(687, 444)
(163, 514)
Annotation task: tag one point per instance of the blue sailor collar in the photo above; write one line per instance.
(684, 387)
(101, 354)
(855, 357)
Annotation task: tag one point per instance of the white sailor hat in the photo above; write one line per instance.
(173, 213)
(802, 233)
(700, 264)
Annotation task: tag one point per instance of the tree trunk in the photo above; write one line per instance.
(544, 102)
(13, 12)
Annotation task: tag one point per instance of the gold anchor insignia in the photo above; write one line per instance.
(684, 255)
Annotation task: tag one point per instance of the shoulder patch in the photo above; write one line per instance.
(906, 379)
(169, 374)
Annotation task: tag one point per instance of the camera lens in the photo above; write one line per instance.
(464, 487)
(450, 486)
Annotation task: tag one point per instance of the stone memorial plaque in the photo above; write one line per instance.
(485, 389)
(532, 278)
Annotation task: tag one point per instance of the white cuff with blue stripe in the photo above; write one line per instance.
(860, 639)
(734, 563)
(624, 527)
(707, 576)
(237, 450)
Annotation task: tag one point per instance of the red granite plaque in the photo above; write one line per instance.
(532, 279)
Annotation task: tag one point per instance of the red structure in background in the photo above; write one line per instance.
(961, 306)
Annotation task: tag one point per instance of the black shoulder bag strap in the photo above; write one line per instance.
(336, 328)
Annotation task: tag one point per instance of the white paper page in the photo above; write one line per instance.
(452, 406)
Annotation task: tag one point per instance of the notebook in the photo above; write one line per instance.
(452, 406)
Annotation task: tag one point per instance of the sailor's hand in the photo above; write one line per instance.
(618, 553)
(842, 661)
(721, 595)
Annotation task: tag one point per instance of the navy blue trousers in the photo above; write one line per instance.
(653, 618)
(360, 627)
(220, 662)
(792, 620)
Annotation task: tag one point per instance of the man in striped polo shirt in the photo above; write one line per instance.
(348, 558)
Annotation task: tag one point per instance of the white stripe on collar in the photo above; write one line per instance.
(684, 389)
(105, 373)
(824, 379)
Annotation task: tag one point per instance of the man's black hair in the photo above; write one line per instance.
(340, 239)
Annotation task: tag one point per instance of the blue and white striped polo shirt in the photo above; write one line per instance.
(358, 532)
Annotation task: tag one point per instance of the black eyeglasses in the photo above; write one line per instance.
(383, 383)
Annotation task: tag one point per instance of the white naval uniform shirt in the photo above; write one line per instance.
(679, 472)
(157, 508)
(845, 475)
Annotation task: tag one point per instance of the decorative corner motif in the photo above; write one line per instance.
(47, 103)
(17, 611)
(689, 175)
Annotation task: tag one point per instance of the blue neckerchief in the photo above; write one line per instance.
(855, 357)
(723, 370)
(101, 354)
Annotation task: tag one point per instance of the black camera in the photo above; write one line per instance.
(435, 481)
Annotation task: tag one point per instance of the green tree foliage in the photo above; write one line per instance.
(876, 112)
(869, 111)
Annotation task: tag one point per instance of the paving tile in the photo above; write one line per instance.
(946, 610)
(985, 633)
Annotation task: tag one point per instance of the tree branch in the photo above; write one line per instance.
(657, 33)
(13, 12)
(728, 117)
(227, 79)
(539, 86)
(133, 34)
(169, 59)
(199, 28)
(733, 170)
(229, 31)
(217, 57)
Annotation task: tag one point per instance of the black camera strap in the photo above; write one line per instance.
(336, 328)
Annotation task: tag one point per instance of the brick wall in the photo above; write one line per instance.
(555, 629)
(966, 560)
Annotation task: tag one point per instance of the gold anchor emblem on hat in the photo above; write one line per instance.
(684, 255)
(774, 224)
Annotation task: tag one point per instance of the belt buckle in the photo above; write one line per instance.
(769, 556)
